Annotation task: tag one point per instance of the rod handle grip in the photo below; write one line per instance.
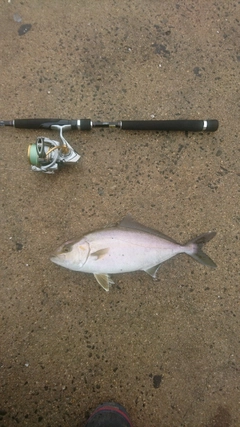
(33, 123)
(43, 123)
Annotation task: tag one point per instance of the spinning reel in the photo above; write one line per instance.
(46, 155)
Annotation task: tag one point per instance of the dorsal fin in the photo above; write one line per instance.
(129, 222)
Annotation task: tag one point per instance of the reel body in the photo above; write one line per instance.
(45, 155)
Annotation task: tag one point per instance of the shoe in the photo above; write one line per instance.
(109, 414)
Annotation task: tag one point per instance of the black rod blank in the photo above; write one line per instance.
(172, 125)
(87, 124)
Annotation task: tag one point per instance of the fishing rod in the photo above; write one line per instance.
(46, 154)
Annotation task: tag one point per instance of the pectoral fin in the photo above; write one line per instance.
(100, 253)
(104, 280)
(152, 271)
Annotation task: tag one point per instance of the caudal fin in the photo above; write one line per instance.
(197, 252)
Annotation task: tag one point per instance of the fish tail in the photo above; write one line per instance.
(194, 249)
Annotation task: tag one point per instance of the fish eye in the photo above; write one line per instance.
(66, 249)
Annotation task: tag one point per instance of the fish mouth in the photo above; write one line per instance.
(54, 258)
(56, 254)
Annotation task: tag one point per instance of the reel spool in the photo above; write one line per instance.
(45, 155)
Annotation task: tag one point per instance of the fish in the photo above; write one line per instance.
(127, 247)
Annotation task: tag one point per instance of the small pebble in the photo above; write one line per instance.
(17, 18)
(24, 29)
(157, 379)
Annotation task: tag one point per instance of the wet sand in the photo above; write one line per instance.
(168, 350)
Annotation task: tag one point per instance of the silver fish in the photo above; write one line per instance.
(128, 247)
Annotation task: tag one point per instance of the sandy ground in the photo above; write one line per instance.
(166, 350)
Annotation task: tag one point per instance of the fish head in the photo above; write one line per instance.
(72, 255)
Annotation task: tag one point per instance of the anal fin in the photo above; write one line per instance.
(152, 271)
